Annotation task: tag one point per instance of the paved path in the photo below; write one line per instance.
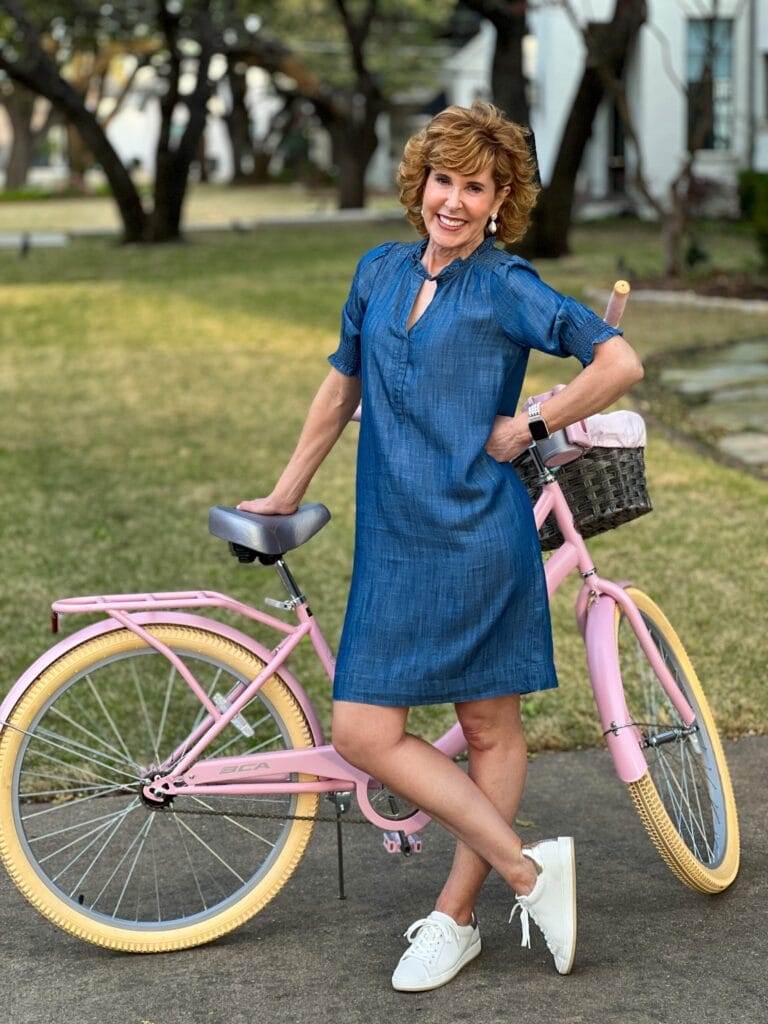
(650, 951)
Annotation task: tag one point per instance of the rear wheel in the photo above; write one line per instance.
(685, 800)
(76, 835)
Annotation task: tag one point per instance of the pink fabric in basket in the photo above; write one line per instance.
(621, 429)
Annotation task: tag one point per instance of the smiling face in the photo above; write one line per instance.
(456, 208)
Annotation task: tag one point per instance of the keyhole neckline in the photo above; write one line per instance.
(454, 267)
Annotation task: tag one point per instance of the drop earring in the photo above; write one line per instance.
(492, 224)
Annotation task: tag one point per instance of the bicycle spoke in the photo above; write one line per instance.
(91, 775)
(686, 753)
(77, 746)
(74, 697)
(157, 884)
(109, 718)
(94, 736)
(191, 865)
(71, 750)
(164, 713)
(119, 863)
(143, 705)
(232, 821)
(212, 851)
(100, 829)
(99, 833)
(123, 818)
(680, 802)
(146, 828)
(37, 794)
(71, 803)
(70, 828)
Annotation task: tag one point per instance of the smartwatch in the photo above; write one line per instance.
(537, 425)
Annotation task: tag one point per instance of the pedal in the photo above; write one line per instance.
(393, 843)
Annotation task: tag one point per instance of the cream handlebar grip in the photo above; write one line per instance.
(614, 311)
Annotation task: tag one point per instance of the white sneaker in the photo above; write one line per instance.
(437, 953)
(552, 901)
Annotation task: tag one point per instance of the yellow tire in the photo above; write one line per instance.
(692, 823)
(115, 655)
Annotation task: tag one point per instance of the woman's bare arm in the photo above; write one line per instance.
(330, 411)
(613, 370)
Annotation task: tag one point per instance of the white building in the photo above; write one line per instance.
(668, 56)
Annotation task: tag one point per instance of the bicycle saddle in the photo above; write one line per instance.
(267, 535)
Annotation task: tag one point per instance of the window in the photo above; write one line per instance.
(709, 76)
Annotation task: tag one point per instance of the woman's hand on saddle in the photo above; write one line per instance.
(269, 506)
(509, 438)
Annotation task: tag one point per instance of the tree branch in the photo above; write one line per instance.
(141, 62)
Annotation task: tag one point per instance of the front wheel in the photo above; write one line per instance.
(685, 799)
(77, 836)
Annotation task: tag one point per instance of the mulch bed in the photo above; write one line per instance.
(727, 285)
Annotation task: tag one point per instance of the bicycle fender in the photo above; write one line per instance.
(605, 677)
(74, 640)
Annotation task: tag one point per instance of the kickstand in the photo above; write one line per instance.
(342, 801)
(340, 849)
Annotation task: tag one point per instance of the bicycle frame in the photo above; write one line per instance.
(596, 613)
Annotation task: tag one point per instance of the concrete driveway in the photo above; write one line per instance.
(650, 951)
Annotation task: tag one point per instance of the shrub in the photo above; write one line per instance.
(753, 195)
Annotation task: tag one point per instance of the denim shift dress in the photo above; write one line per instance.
(448, 598)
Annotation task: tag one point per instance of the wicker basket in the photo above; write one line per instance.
(604, 488)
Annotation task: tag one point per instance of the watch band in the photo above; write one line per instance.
(537, 425)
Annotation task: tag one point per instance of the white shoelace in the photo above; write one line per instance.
(428, 943)
(525, 925)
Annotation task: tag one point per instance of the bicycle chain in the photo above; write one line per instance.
(266, 814)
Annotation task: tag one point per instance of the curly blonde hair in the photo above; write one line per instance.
(467, 140)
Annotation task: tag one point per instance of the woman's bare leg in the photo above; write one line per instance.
(373, 738)
(498, 764)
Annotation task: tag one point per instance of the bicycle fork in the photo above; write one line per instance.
(622, 735)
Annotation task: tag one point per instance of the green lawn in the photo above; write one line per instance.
(142, 386)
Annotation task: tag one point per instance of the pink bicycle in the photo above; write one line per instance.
(161, 772)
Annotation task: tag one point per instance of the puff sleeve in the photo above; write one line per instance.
(346, 358)
(534, 315)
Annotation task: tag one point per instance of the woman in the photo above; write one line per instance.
(448, 599)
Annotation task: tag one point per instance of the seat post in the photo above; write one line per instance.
(289, 582)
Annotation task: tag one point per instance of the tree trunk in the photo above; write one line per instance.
(353, 142)
(349, 158)
(170, 191)
(238, 123)
(507, 78)
(202, 160)
(173, 164)
(607, 44)
(123, 189)
(20, 105)
(78, 158)
(674, 227)
(41, 76)
(548, 236)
